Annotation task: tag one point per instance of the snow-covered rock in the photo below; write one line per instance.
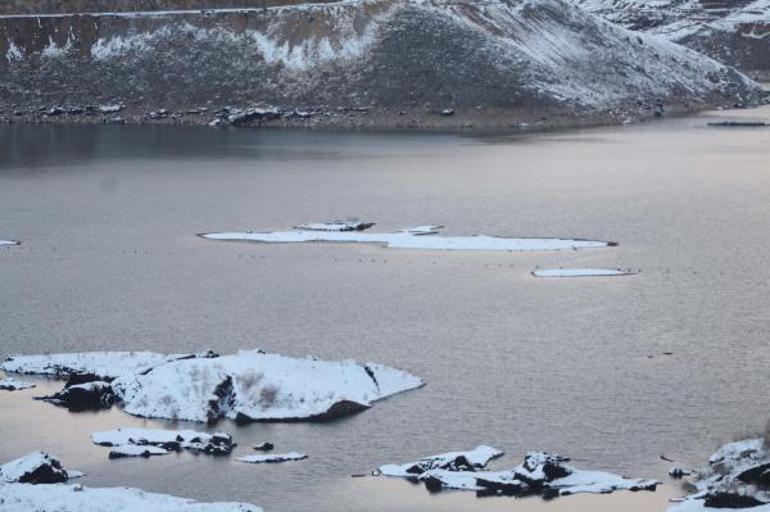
(272, 458)
(61, 497)
(9, 384)
(136, 442)
(541, 473)
(738, 476)
(470, 460)
(264, 447)
(581, 272)
(35, 468)
(337, 225)
(420, 237)
(247, 386)
(89, 396)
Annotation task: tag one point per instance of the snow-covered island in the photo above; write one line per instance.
(419, 237)
(582, 272)
(37, 482)
(738, 476)
(543, 474)
(246, 386)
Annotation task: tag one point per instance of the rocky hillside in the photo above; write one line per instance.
(356, 63)
(736, 32)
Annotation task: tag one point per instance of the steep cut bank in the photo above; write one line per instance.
(735, 32)
(365, 63)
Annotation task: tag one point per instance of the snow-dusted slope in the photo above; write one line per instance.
(736, 32)
(247, 386)
(519, 60)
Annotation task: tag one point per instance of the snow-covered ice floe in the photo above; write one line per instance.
(246, 386)
(9, 242)
(419, 237)
(143, 442)
(542, 474)
(738, 476)
(35, 468)
(272, 458)
(14, 385)
(582, 272)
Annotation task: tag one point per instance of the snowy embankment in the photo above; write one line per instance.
(582, 272)
(361, 63)
(142, 442)
(34, 483)
(247, 386)
(738, 476)
(420, 237)
(541, 474)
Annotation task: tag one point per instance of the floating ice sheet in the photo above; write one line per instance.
(14, 385)
(272, 458)
(9, 242)
(419, 237)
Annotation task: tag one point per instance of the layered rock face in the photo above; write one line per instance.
(390, 62)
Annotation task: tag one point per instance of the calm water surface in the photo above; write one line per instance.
(110, 261)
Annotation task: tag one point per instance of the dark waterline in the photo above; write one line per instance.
(110, 261)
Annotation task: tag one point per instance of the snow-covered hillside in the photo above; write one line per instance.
(419, 61)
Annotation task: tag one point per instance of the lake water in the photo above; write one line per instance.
(110, 261)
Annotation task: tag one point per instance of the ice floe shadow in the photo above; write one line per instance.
(418, 237)
(582, 272)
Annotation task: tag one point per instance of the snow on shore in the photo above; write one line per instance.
(61, 497)
(541, 473)
(582, 272)
(143, 442)
(422, 237)
(247, 386)
(738, 476)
